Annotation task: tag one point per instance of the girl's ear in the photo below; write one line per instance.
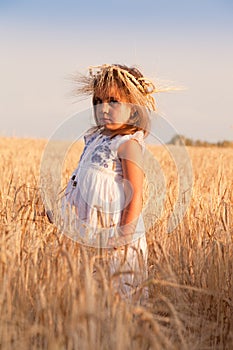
(134, 117)
(133, 110)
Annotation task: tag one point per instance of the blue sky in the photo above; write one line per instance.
(188, 43)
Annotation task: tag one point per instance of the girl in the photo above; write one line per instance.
(103, 199)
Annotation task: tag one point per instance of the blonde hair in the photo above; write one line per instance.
(133, 88)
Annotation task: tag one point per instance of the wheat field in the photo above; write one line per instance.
(49, 298)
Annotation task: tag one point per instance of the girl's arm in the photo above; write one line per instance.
(131, 157)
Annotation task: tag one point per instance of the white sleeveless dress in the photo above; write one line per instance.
(94, 200)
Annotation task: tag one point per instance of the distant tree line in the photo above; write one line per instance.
(182, 140)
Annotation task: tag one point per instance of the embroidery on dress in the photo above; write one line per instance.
(102, 154)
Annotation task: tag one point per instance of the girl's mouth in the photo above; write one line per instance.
(105, 120)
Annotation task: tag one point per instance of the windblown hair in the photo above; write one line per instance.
(133, 88)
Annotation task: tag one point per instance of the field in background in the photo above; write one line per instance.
(49, 298)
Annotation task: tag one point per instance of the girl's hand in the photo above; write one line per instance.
(115, 243)
(121, 238)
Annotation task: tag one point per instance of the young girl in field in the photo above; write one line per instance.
(103, 199)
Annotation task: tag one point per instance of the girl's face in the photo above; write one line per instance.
(111, 111)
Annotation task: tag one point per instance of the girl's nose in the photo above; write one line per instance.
(105, 107)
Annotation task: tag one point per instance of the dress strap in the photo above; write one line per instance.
(138, 136)
(90, 135)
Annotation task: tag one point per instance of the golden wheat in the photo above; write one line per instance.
(49, 298)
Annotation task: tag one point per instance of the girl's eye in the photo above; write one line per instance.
(113, 101)
(97, 101)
